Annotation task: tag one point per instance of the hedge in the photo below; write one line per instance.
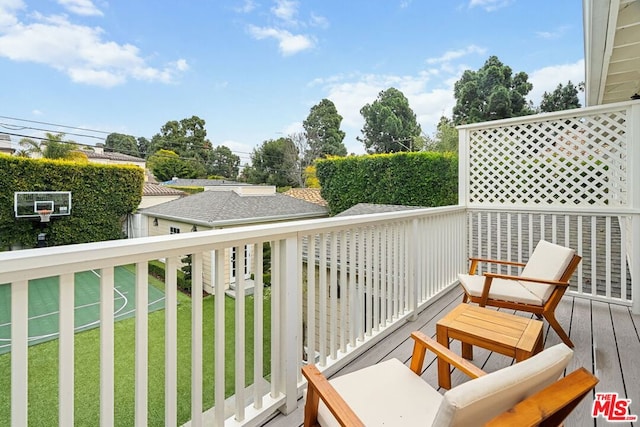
(101, 197)
(413, 179)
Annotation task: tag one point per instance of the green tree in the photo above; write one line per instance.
(390, 124)
(52, 147)
(143, 146)
(562, 98)
(446, 137)
(166, 164)
(187, 138)
(491, 93)
(121, 143)
(223, 163)
(323, 134)
(274, 163)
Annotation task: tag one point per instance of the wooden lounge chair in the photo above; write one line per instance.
(392, 394)
(538, 289)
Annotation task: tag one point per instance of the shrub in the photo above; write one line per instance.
(413, 179)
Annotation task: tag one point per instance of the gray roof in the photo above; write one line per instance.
(218, 208)
(153, 189)
(112, 155)
(184, 182)
(370, 208)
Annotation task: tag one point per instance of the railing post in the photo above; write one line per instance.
(414, 254)
(633, 186)
(288, 320)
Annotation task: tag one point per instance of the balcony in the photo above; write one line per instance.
(346, 290)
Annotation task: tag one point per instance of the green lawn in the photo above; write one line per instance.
(43, 367)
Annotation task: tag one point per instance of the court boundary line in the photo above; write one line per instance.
(6, 342)
(75, 329)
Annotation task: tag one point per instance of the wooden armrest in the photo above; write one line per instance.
(475, 261)
(497, 261)
(423, 342)
(552, 404)
(526, 279)
(320, 388)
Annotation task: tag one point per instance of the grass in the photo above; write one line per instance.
(43, 367)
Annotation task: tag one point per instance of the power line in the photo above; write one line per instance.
(55, 124)
(14, 127)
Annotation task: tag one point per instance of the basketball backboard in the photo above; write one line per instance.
(28, 203)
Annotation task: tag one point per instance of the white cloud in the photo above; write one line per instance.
(81, 7)
(8, 9)
(489, 5)
(80, 51)
(547, 79)
(286, 10)
(288, 43)
(318, 21)
(247, 7)
(557, 33)
(455, 54)
(293, 128)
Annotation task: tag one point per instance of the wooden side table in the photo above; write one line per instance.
(507, 334)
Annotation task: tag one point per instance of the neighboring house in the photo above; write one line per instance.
(98, 155)
(5, 144)
(234, 206)
(154, 194)
(207, 184)
(311, 195)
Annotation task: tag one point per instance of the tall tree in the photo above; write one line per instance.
(121, 143)
(322, 129)
(187, 138)
(166, 164)
(446, 137)
(562, 98)
(491, 93)
(223, 163)
(274, 163)
(390, 124)
(143, 146)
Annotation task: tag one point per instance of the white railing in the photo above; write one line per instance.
(366, 274)
(599, 237)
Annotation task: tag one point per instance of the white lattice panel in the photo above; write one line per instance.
(571, 161)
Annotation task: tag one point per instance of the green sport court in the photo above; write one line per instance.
(44, 304)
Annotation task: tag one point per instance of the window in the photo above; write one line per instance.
(174, 230)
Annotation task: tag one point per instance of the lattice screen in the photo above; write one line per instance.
(579, 160)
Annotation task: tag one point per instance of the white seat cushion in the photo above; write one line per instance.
(548, 261)
(386, 394)
(475, 402)
(501, 289)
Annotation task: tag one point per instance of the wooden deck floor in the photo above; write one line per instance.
(606, 338)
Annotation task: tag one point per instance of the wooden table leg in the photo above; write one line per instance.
(444, 369)
(467, 350)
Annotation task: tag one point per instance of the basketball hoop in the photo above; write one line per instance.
(44, 215)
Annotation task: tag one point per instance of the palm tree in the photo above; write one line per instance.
(52, 147)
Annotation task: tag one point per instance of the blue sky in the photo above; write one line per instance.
(252, 69)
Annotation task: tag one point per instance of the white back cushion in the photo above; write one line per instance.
(478, 401)
(548, 261)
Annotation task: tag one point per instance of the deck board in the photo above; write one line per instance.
(611, 328)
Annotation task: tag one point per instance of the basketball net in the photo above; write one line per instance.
(44, 215)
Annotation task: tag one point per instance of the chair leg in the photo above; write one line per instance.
(465, 297)
(551, 318)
